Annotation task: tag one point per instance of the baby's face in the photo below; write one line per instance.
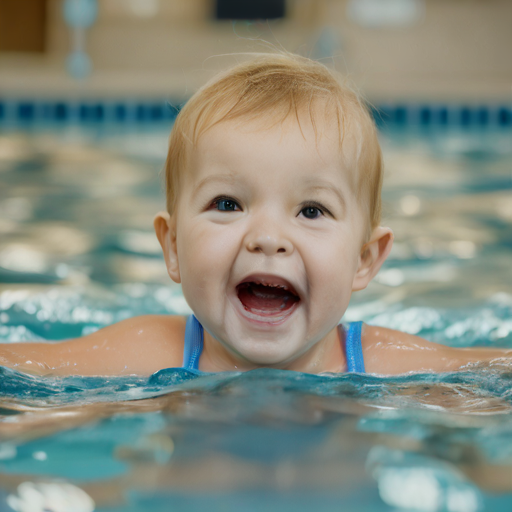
(268, 235)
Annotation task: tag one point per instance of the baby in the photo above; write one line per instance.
(274, 177)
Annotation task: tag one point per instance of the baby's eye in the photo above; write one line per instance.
(312, 212)
(225, 204)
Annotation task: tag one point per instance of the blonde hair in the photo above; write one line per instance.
(282, 84)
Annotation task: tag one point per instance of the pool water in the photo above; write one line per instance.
(77, 253)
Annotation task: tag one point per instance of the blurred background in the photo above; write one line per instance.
(393, 49)
(89, 90)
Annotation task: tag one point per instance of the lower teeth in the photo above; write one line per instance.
(256, 316)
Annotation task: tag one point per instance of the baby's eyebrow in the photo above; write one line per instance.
(319, 184)
(222, 178)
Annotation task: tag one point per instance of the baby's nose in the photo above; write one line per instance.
(269, 244)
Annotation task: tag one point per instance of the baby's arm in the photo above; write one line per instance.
(391, 352)
(140, 345)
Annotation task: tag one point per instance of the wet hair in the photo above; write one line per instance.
(281, 85)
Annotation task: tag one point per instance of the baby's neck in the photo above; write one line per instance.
(327, 355)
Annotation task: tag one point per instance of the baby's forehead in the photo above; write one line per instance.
(287, 154)
(254, 144)
(320, 134)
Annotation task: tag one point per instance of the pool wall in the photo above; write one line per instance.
(26, 111)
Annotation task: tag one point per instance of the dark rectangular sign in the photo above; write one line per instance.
(250, 9)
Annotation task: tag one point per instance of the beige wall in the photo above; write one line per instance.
(461, 51)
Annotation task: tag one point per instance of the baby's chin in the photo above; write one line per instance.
(263, 345)
(266, 356)
(265, 352)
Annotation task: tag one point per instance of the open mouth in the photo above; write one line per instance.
(267, 299)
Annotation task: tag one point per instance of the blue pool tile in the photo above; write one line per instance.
(504, 117)
(400, 115)
(482, 116)
(46, 111)
(465, 116)
(382, 115)
(140, 112)
(442, 115)
(83, 112)
(149, 112)
(60, 111)
(156, 112)
(120, 113)
(98, 112)
(92, 112)
(171, 111)
(26, 111)
(425, 115)
(2, 110)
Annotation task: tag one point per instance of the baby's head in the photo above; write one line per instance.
(273, 179)
(270, 89)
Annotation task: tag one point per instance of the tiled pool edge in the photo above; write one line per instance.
(23, 111)
(26, 111)
(440, 114)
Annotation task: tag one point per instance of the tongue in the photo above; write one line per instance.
(265, 299)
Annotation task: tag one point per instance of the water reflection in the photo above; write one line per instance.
(346, 440)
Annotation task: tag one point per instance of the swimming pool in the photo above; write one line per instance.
(77, 252)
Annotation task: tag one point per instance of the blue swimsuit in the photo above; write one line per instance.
(194, 345)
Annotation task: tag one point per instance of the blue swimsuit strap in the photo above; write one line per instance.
(194, 336)
(353, 348)
(193, 343)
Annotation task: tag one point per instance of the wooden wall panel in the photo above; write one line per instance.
(22, 26)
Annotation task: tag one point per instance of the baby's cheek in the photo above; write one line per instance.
(205, 258)
(334, 292)
(333, 274)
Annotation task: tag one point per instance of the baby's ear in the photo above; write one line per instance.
(165, 229)
(373, 254)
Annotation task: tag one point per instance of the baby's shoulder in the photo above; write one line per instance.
(149, 342)
(151, 328)
(388, 351)
(140, 345)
